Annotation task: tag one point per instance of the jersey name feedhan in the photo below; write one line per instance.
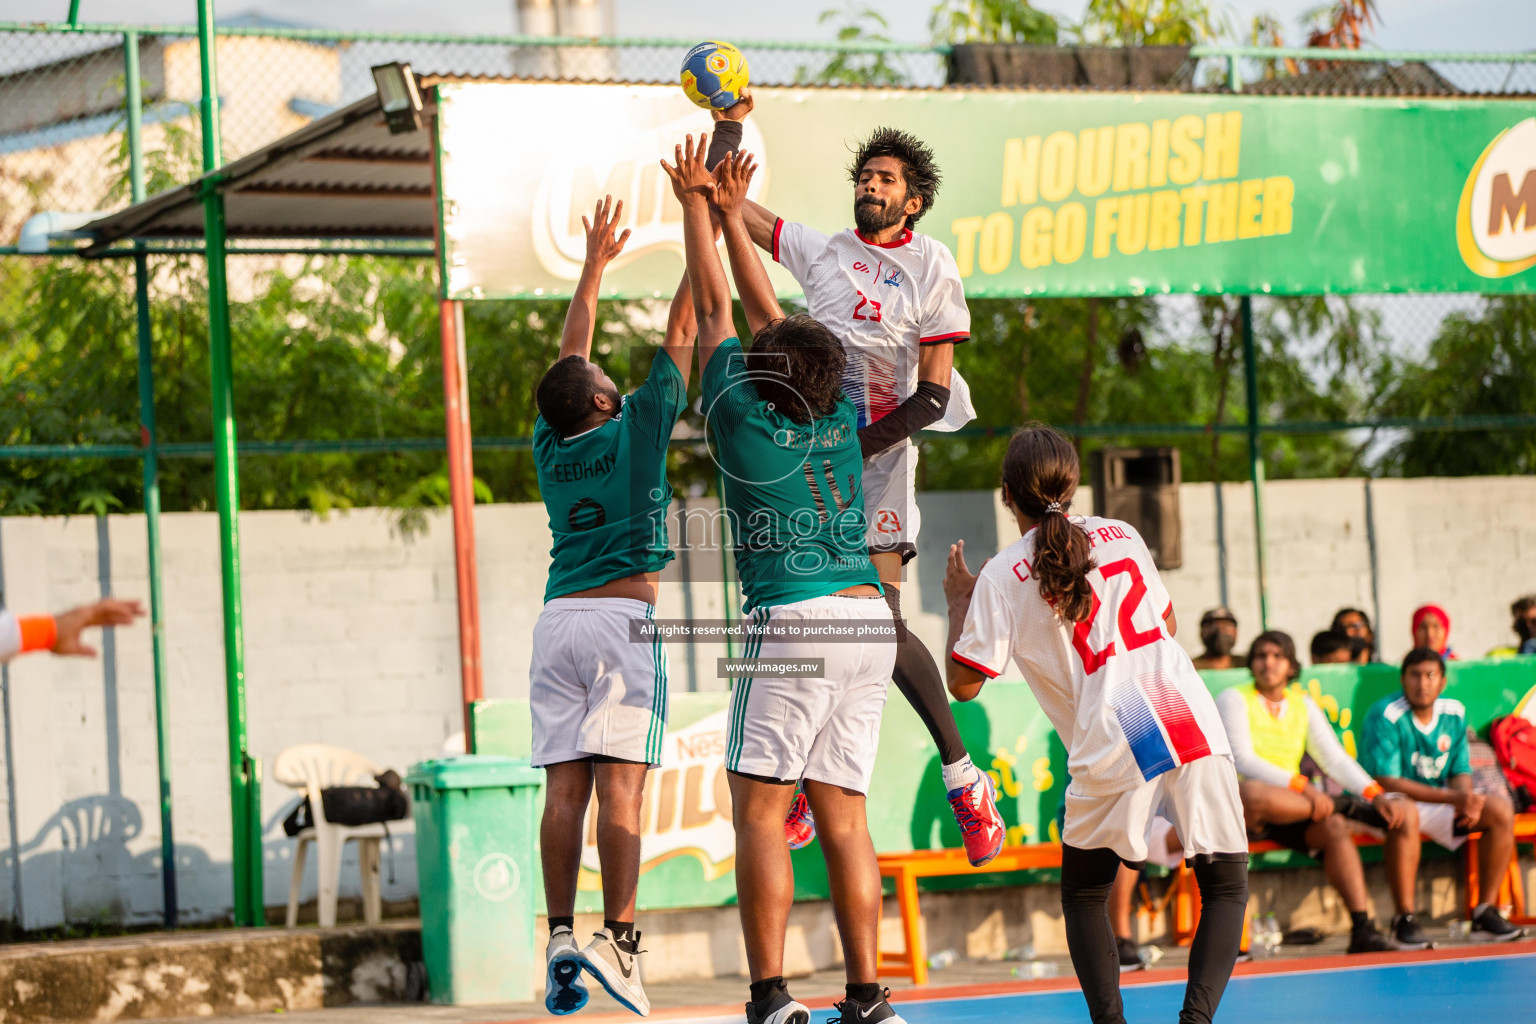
(606, 490)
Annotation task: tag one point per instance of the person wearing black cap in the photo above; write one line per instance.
(1218, 634)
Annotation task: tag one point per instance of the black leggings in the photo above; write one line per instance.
(917, 676)
(1086, 879)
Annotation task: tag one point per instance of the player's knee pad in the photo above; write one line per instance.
(1222, 877)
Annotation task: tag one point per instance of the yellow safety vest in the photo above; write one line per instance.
(1281, 741)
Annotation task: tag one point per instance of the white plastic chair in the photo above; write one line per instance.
(310, 768)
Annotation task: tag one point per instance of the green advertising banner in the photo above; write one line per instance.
(688, 846)
(1048, 194)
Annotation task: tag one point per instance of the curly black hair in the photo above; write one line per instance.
(916, 159)
(565, 392)
(796, 363)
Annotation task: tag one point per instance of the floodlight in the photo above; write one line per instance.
(398, 97)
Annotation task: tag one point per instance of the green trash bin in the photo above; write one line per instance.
(474, 864)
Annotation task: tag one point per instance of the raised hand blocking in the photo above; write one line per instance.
(602, 246)
(690, 175)
(732, 177)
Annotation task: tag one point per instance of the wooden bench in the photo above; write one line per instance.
(1186, 894)
(905, 868)
(1512, 888)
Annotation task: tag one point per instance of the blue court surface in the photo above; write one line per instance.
(1488, 989)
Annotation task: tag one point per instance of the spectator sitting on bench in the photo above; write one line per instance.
(1355, 624)
(1524, 611)
(1270, 725)
(1416, 744)
(1332, 647)
(1218, 635)
(1432, 629)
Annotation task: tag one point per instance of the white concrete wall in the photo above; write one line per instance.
(351, 639)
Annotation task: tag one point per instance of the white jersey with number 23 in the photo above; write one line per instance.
(883, 302)
(1122, 694)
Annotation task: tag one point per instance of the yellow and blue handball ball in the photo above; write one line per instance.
(714, 75)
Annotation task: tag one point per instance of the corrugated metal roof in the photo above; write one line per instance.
(342, 176)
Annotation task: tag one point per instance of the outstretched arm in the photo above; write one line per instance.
(759, 221)
(757, 299)
(692, 184)
(602, 247)
(682, 328)
(964, 681)
(61, 633)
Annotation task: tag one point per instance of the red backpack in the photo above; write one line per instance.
(1514, 741)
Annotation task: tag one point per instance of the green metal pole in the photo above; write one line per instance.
(74, 13)
(248, 899)
(150, 440)
(1255, 455)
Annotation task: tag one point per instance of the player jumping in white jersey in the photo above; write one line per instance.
(895, 300)
(1078, 606)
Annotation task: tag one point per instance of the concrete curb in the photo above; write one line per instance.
(144, 977)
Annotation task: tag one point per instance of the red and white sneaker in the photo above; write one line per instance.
(975, 808)
(799, 825)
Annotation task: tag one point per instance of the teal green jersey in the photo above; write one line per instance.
(1398, 746)
(794, 492)
(606, 489)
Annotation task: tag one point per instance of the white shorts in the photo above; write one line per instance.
(1199, 798)
(824, 729)
(1438, 821)
(890, 500)
(591, 690)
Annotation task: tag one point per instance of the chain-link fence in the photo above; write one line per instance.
(63, 148)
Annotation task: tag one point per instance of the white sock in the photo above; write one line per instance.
(1478, 910)
(960, 774)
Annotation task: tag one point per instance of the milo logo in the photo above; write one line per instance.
(1496, 220)
(621, 159)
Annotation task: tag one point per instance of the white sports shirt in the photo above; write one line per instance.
(883, 302)
(1121, 693)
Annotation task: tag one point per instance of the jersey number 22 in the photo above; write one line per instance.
(1129, 635)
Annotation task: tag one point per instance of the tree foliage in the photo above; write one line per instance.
(855, 24)
(1151, 23)
(1480, 364)
(993, 21)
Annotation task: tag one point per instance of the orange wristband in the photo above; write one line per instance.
(1299, 783)
(1373, 791)
(38, 632)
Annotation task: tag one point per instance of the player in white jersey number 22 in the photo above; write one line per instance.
(1078, 605)
(895, 300)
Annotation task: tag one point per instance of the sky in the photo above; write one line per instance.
(1486, 25)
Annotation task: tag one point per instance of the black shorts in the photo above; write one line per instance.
(1292, 836)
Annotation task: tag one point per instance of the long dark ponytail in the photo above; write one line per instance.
(1040, 475)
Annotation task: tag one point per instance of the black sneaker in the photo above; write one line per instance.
(1368, 940)
(1490, 926)
(781, 1009)
(1406, 933)
(1130, 959)
(851, 1011)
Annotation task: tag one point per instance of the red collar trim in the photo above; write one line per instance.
(900, 240)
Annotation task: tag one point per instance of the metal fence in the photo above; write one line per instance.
(62, 144)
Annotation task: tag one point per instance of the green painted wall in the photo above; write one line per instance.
(687, 839)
